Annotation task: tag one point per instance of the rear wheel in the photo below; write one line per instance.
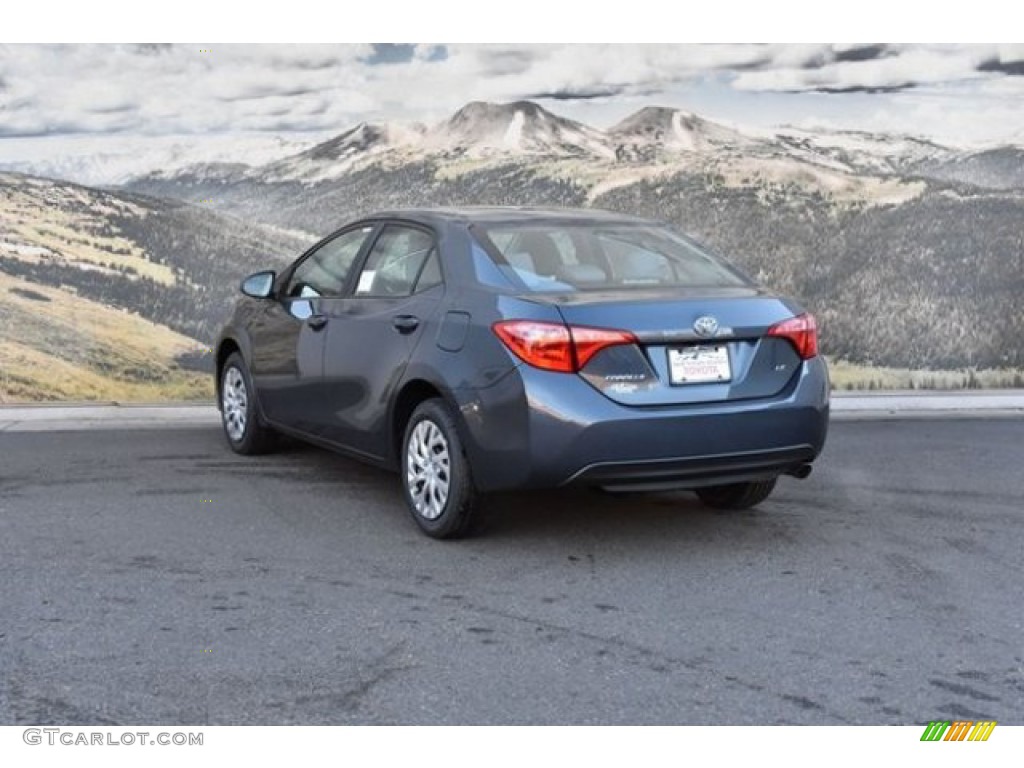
(435, 473)
(736, 495)
(245, 432)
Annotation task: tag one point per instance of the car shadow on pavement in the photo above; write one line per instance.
(569, 514)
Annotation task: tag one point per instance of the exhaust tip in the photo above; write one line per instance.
(800, 471)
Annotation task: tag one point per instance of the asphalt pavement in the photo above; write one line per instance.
(151, 576)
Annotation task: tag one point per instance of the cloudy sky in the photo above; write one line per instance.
(963, 94)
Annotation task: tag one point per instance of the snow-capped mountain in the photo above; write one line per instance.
(477, 131)
(654, 139)
(481, 129)
(336, 156)
(652, 136)
(676, 131)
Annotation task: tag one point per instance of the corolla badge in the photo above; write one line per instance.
(705, 326)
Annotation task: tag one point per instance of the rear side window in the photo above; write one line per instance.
(430, 275)
(402, 260)
(580, 257)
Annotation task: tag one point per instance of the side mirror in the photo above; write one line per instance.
(259, 285)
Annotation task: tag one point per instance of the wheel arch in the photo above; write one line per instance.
(229, 343)
(225, 349)
(409, 396)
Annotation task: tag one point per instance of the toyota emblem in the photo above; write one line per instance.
(705, 326)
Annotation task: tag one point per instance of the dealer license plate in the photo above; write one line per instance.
(699, 364)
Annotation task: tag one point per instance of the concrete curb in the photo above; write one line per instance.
(59, 418)
(846, 406)
(855, 406)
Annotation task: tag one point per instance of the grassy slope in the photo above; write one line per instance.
(88, 309)
(70, 348)
(71, 224)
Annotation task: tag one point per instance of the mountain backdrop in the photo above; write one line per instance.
(910, 253)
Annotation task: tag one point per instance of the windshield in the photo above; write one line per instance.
(574, 257)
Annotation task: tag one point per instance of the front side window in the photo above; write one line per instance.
(403, 260)
(574, 257)
(325, 271)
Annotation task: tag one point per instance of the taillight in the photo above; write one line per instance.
(544, 345)
(590, 341)
(802, 333)
(557, 347)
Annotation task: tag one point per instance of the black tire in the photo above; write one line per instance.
(430, 433)
(736, 495)
(251, 435)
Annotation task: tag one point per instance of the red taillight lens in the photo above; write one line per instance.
(544, 345)
(590, 341)
(802, 333)
(557, 347)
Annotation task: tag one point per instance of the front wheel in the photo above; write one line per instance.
(245, 432)
(736, 495)
(435, 473)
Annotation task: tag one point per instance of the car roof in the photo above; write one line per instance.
(497, 215)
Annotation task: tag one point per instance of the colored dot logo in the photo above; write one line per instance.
(207, 501)
(206, 50)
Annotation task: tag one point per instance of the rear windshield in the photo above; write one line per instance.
(555, 257)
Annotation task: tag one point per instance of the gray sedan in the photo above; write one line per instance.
(486, 349)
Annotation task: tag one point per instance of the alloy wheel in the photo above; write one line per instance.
(234, 403)
(428, 469)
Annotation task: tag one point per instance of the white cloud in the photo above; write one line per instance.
(184, 89)
(179, 89)
(898, 68)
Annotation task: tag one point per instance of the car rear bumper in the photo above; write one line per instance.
(694, 471)
(537, 429)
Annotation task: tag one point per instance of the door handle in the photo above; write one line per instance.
(316, 322)
(405, 323)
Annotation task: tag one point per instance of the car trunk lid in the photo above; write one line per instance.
(694, 346)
